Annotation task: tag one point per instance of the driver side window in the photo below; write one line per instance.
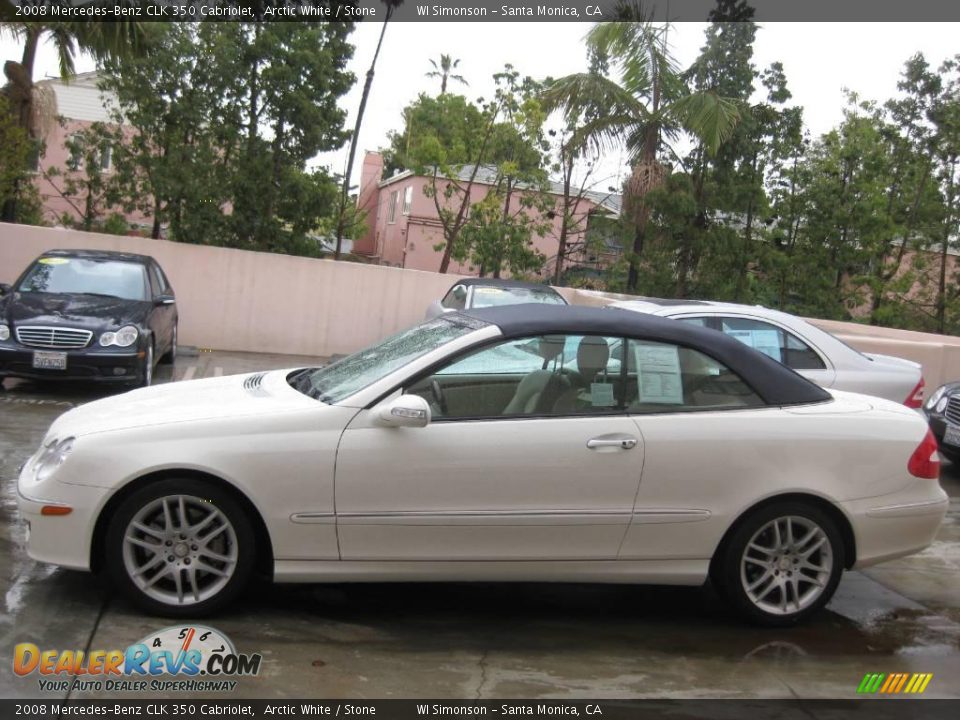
(548, 375)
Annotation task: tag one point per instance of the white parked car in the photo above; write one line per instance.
(659, 453)
(812, 352)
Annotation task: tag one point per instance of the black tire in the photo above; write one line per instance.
(170, 357)
(118, 551)
(147, 366)
(951, 455)
(731, 572)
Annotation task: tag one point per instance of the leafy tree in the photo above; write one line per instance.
(85, 183)
(225, 122)
(445, 71)
(456, 143)
(15, 150)
(119, 39)
(651, 105)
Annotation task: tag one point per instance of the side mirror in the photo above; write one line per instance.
(405, 411)
(4, 288)
(165, 300)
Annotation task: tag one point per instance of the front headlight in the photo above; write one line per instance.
(4, 332)
(124, 337)
(52, 457)
(935, 398)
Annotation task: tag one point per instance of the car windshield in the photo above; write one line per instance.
(491, 296)
(353, 373)
(86, 276)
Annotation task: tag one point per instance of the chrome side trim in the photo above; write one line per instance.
(314, 518)
(654, 517)
(487, 517)
(930, 507)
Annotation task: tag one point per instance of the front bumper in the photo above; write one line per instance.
(90, 364)
(63, 540)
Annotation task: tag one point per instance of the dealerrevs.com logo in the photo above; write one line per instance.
(192, 658)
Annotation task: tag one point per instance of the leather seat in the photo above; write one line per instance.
(536, 390)
(593, 355)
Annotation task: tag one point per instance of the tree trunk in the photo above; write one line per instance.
(345, 188)
(21, 83)
(944, 247)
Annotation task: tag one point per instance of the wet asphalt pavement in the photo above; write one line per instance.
(487, 640)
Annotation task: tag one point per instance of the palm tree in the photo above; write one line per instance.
(30, 105)
(345, 188)
(650, 106)
(444, 71)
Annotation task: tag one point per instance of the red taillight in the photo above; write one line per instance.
(925, 461)
(915, 398)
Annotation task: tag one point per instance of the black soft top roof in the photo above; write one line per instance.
(775, 383)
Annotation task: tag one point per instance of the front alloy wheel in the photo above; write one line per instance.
(146, 368)
(180, 547)
(782, 564)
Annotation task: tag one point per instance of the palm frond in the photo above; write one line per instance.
(707, 115)
(590, 95)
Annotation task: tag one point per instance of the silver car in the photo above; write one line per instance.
(473, 293)
(812, 352)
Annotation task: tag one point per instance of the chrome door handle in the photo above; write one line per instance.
(624, 442)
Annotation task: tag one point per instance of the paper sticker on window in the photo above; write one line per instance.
(765, 341)
(601, 395)
(53, 261)
(658, 373)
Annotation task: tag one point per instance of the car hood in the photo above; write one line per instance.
(185, 402)
(77, 310)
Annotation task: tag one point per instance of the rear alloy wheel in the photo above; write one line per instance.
(782, 564)
(180, 547)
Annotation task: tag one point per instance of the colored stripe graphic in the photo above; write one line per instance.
(894, 683)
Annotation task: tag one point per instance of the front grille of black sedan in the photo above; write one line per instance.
(56, 338)
(953, 410)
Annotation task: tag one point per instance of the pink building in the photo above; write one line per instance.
(403, 225)
(79, 104)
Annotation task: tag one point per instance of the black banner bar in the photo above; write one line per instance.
(470, 10)
(872, 709)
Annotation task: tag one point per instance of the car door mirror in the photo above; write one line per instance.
(4, 288)
(164, 300)
(405, 411)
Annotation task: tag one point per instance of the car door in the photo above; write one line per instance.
(772, 339)
(528, 456)
(699, 422)
(163, 315)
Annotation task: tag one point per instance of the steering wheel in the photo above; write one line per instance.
(438, 395)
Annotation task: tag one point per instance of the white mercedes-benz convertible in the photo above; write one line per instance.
(472, 447)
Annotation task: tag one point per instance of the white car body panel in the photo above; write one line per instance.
(882, 376)
(517, 489)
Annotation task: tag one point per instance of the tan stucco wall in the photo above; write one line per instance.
(258, 302)
(261, 302)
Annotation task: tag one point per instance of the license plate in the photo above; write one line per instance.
(951, 435)
(43, 360)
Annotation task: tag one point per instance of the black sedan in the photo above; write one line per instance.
(943, 414)
(88, 315)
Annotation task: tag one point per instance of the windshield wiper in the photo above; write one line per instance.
(106, 295)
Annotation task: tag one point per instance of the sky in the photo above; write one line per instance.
(820, 60)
